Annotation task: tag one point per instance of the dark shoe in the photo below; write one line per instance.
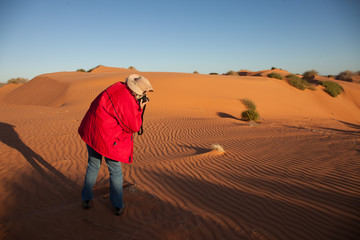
(119, 211)
(86, 204)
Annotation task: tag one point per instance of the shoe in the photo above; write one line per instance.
(86, 204)
(119, 211)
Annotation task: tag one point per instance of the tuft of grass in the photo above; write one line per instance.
(275, 75)
(297, 82)
(250, 115)
(218, 147)
(310, 75)
(249, 104)
(17, 80)
(332, 88)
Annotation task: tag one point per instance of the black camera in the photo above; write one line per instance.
(144, 99)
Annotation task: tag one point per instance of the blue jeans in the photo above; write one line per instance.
(116, 178)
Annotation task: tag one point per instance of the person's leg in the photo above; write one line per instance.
(94, 162)
(116, 183)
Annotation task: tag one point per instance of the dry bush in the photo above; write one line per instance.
(346, 76)
(310, 75)
(132, 68)
(17, 80)
(217, 147)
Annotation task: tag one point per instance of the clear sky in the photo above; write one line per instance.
(42, 36)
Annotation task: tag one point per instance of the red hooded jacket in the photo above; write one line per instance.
(109, 124)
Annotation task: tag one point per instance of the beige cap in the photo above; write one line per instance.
(138, 84)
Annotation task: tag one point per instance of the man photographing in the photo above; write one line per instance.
(107, 129)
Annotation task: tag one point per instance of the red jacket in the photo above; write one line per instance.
(109, 124)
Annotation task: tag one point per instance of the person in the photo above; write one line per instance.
(107, 129)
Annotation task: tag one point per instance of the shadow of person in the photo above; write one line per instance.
(10, 137)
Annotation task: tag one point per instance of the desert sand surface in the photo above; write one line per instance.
(293, 175)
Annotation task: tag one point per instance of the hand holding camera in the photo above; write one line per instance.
(143, 101)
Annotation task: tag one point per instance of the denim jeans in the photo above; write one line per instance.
(116, 178)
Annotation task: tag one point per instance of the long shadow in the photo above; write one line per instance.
(198, 150)
(10, 137)
(352, 125)
(226, 115)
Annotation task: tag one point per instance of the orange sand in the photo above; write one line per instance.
(294, 175)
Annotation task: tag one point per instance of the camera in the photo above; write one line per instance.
(144, 99)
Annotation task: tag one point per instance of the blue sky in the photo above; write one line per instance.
(42, 36)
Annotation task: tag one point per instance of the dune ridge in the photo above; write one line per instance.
(294, 175)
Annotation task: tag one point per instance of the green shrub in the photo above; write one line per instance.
(273, 68)
(132, 68)
(213, 73)
(250, 115)
(291, 76)
(17, 80)
(346, 76)
(249, 104)
(81, 70)
(310, 75)
(275, 75)
(232, 73)
(332, 88)
(195, 72)
(297, 82)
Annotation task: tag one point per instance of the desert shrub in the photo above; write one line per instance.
(196, 72)
(275, 75)
(132, 68)
(273, 68)
(91, 69)
(81, 70)
(297, 82)
(232, 73)
(17, 80)
(213, 73)
(1, 84)
(250, 115)
(310, 75)
(291, 76)
(249, 104)
(346, 76)
(332, 88)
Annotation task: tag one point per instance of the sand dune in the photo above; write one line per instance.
(294, 175)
